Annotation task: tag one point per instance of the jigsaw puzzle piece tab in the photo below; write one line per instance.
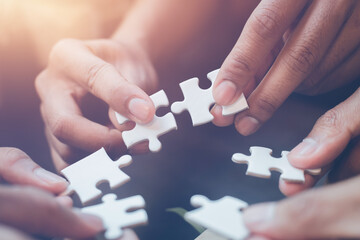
(116, 216)
(150, 131)
(92, 170)
(221, 216)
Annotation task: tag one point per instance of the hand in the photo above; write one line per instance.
(37, 212)
(112, 71)
(307, 46)
(16, 167)
(328, 138)
(330, 212)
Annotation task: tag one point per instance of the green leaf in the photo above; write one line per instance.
(181, 212)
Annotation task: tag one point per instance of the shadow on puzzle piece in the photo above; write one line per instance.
(119, 214)
(197, 101)
(260, 163)
(150, 131)
(223, 216)
(208, 235)
(92, 170)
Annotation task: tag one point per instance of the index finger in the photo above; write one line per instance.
(265, 27)
(76, 61)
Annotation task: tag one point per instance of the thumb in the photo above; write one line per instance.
(330, 135)
(314, 214)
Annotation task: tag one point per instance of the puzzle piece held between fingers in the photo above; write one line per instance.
(197, 101)
(221, 216)
(260, 163)
(150, 131)
(116, 216)
(94, 169)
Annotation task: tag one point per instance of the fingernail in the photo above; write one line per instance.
(49, 177)
(225, 92)
(305, 148)
(247, 125)
(92, 220)
(260, 216)
(139, 108)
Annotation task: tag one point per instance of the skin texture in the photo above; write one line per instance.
(30, 206)
(311, 47)
(318, 210)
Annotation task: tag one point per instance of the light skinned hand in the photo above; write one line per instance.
(16, 167)
(331, 212)
(115, 72)
(35, 211)
(286, 46)
(329, 137)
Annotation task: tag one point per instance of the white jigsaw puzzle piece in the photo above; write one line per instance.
(221, 216)
(197, 101)
(92, 170)
(115, 215)
(239, 105)
(150, 131)
(209, 235)
(261, 162)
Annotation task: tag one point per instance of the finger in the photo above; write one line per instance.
(302, 52)
(316, 210)
(219, 119)
(38, 212)
(7, 233)
(347, 72)
(348, 165)
(103, 80)
(330, 135)
(216, 111)
(65, 121)
(18, 168)
(345, 46)
(290, 188)
(263, 30)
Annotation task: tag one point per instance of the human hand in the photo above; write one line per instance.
(16, 167)
(307, 46)
(34, 211)
(328, 138)
(330, 212)
(112, 71)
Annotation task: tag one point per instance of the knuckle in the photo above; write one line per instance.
(331, 120)
(266, 22)
(302, 57)
(58, 127)
(12, 155)
(265, 105)
(60, 47)
(94, 73)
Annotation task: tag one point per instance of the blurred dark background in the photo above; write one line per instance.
(192, 160)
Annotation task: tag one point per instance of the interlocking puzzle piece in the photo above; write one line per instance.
(150, 131)
(221, 216)
(208, 235)
(94, 169)
(197, 101)
(116, 216)
(260, 163)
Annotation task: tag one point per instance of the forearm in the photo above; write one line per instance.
(162, 28)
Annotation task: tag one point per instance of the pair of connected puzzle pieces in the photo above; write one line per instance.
(196, 101)
(94, 169)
